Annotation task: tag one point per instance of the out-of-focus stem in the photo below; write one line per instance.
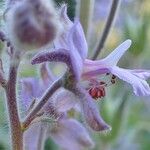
(86, 13)
(107, 27)
(15, 127)
(56, 85)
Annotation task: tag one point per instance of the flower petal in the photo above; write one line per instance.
(141, 73)
(64, 17)
(113, 58)
(77, 39)
(73, 60)
(90, 111)
(29, 90)
(62, 41)
(140, 86)
(69, 134)
(64, 100)
(32, 136)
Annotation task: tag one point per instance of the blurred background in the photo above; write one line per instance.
(128, 115)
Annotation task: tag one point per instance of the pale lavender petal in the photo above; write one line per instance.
(94, 68)
(30, 88)
(141, 73)
(75, 53)
(90, 111)
(77, 39)
(32, 140)
(64, 17)
(113, 58)
(62, 41)
(64, 100)
(93, 73)
(71, 135)
(140, 86)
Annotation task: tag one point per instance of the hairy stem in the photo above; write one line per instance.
(15, 127)
(107, 27)
(86, 12)
(56, 85)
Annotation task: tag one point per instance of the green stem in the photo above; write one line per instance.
(107, 27)
(86, 13)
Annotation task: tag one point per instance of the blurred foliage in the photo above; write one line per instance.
(50, 145)
(137, 30)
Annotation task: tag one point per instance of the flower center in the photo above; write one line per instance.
(97, 88)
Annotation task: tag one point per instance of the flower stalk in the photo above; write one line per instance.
(15, 126)
(86, 13)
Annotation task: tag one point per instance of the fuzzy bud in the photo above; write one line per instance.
(32, 24)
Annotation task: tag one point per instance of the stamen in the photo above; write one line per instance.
(97, 88)
(114, 77)
(113, 81)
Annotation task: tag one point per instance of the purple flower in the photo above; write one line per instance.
(109, 65)
(61, 129)
(71, 48)
(69, 134)
(73, 41)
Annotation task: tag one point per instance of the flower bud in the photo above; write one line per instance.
(32, 24)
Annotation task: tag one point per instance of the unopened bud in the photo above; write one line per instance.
(32, 24)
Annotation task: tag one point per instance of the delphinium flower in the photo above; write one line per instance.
(109, 65)
(68, 133)
(71, 48)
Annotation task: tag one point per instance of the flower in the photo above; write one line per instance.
(73, 41)
(61, 128)
(71, 48)
(109, 65)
